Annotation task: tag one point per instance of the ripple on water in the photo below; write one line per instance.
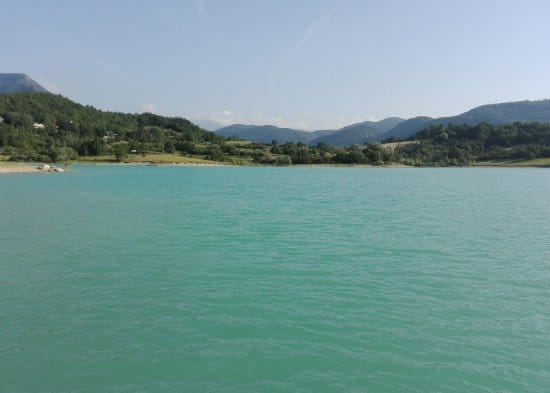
(271, 279)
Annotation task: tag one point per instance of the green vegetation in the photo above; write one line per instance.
(153, 158)
(467, 145)
(47, 127)
(539, 162)
(43, 127)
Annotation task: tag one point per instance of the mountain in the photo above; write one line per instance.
(19, 83)
(347, 136)
(48, 127)
(505, 113)
(497, 114)
(407, 127)
(386, 124)
(367, 131)
(264, 134)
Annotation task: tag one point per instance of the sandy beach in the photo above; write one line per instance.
(6, 168)
(14, 167)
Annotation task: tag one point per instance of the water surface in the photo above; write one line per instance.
(164, 279)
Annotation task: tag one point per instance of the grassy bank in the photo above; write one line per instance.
(168, 158)
(163, 159)
(178, 159)
(537, 162)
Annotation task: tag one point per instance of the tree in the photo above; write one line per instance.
(169, 146)
(121, 152)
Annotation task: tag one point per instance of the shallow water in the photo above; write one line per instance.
(163, 279)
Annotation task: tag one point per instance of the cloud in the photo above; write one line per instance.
(204, 74)
(95, 59)
(200, 6)
(151, 108)
(343, 121)
(213, 120)
(224, 118)
(306, 36)
(309, 33)
(52, 87)
(83, 53)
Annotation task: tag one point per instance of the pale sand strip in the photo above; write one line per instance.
(9, 167)
(18, 168)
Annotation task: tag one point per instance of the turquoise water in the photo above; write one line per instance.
(169, 279)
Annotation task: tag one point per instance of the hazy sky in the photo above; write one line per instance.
(305, 64)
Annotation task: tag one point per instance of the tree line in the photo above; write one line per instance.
(454, 145)
(51, 128)
(47, 127)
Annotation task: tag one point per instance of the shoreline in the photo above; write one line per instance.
(145, 163)
(7, 167)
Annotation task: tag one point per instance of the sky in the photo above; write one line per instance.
(303, 64)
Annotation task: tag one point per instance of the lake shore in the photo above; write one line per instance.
(146, 163)
(7, 168)
(16, 167)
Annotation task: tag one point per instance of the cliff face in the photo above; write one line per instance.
(19, 83)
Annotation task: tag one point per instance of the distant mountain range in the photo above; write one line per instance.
(364, 132)
(367, 131)
(265, 134)
(498, 114)
(19, 83)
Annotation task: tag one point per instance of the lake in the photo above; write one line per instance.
(233, 279)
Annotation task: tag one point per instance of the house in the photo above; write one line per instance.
(38, 126)
(1, 119)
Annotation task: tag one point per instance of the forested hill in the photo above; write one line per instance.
(465, 145)
(367, 131)
(48, 127)
(43, 127)
(264, 134)
(496, 114)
